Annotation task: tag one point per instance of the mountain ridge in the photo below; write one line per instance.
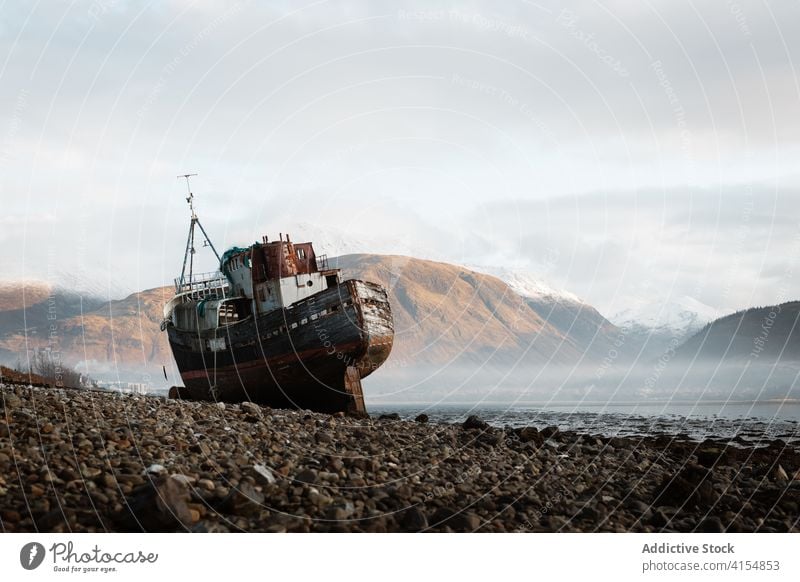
(444, 314)
(770, 332)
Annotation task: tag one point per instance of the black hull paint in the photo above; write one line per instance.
(310, 356)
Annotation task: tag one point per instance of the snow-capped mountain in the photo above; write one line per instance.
(527, 284)
(678, 317)
(335, 242)
(82, 283)
(566, 312)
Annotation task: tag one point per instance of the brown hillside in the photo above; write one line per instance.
(125, 332)
(15, 296)
(443, 313)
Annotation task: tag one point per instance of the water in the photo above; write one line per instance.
(749, 421)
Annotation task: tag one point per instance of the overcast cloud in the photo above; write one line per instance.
(625, 151)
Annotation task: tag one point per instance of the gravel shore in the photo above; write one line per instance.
(91, 461)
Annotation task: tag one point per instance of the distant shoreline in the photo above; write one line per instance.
(629, 403)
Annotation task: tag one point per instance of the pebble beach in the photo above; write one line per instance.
(92, 461)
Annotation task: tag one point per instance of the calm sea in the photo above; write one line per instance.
(752, 421)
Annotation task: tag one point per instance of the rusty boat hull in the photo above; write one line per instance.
(311, 355)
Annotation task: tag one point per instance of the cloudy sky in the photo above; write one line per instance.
(625, 151)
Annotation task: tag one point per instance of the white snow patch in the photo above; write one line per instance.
(527, 285)
(678, 315)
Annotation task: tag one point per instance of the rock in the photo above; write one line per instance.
(637, 507)
(251, 408)
(555, 522)
(206, 484)
(467, 521)
(323, 437)
(10, 400)
(91, 472)
(490, 439)
(185, 479)
(318, 499)
(391, 416)
(711, 524)
(421, 418)
(200, 448)
(474, 423)
(159, 505)
(441, 516)
(691, 486)
(779, 475)
(67, 474)
(306, 476)
(47, 476)
(340, 511)
(210, 527)
(155, 469)
(220, 405)
(590, 513)
(616, 443)
(244, 500)
(530, 434)
(413, 520)
(708, 456)
(55, 520)
(659, 519)
(550, 432)
(458, 521)
(328, 476)
(262, 474)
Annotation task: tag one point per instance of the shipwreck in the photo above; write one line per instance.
(275, 325)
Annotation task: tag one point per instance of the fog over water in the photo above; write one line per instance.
(740, 422)
(747, 401)
(619, 385)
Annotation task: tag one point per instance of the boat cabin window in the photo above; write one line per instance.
(241, 261)
(301, 254)
(227, 314)
(233, 310)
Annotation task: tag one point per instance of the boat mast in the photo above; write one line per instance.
(188, 256)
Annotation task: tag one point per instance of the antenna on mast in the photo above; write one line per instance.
(188, 257)
(190, 197)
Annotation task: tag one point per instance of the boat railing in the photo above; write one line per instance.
(202, 285)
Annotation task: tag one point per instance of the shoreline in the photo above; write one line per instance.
(72, 460)
(588, 404)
